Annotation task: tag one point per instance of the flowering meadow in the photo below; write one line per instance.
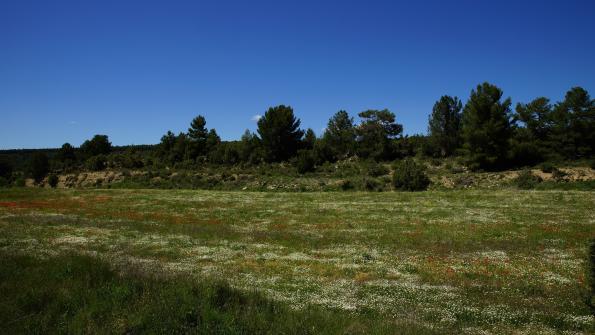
(471, 262)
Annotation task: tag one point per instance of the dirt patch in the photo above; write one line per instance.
(495, 179)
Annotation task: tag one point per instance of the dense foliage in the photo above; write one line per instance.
(484, 133)
(280, 133)
(410, 176)
(40, 166)
(444, 126)
(486, 127)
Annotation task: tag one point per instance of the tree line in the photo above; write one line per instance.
(485, 132)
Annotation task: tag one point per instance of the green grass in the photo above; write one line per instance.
(574, 185)
(78, 294)
(469, 261)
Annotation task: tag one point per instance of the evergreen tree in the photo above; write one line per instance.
(309, 139)
(6, 168)
(198, 135)
(181, 149)
(339, 136)
(213, 140)
(486, 127)
(532, 130)
(444, 125)
(39, 166)
(250, 149)
(279, 133)
(376, 132)
(98, 145)
(66, 154)
(574, 124)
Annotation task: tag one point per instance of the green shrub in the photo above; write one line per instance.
(97, 163)
(305, 161)
(526, 180)
(375, 169)
(6, 168)
(39, 166)
(435, 162)
(20, 182)
(346, 185)
(371, 184)
(558, 175)
(410, 176)
(547, 167)
(456, 169)
(4, 182)
(53, 180)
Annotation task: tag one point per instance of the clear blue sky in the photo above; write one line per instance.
(135, 69)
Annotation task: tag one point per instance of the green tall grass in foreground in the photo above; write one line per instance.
(77, 294)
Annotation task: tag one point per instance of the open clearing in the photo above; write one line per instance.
(466, 261)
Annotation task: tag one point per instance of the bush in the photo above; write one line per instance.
(97, 163)
(558, 175)
(4, 182)
(410, 176)
(592, 165)
(5, 168)
(435, 162)
(547, 167)
(306, 161)
(526, 180)
(371, 184)
(53, 180)
(20, 182)
(375, 169)
(346, 185)
(98, 145)
(456, 169)
(39, 166)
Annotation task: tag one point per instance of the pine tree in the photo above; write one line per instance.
(98, 145)
(532, 127)
(309, 139)
(486, 128)
(339, 136)
(376, 132)
(198, 135)
(279, 133)
(574, 124)
(39, 166)
(444, 125)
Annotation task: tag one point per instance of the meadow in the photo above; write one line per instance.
(138, 261)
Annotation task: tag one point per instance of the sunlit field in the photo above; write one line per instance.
(432, 262)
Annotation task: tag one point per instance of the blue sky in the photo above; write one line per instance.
(135, 69)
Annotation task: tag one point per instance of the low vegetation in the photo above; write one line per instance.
(465, 261)
(78, 294)
(409, 176)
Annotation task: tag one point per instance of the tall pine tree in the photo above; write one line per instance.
(339, 136)
(486, 128)
(280, 133)
(444, 125)
(574, 124)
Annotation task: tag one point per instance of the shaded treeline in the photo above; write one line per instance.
(486, 133)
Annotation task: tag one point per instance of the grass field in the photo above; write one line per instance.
(469, 261)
